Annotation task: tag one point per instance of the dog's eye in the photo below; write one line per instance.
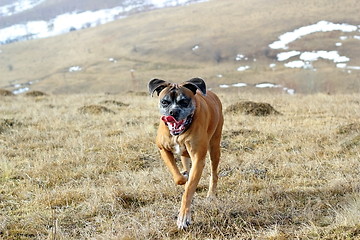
(164, 102)
(184, 102)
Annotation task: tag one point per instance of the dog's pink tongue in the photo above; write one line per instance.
(169, 119)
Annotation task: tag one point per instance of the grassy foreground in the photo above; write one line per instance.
(86, 167)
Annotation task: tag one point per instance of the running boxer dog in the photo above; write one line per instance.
(191, 124)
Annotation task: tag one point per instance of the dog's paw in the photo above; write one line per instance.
(180, 180)
(211, 196)
(183, 221)
(185, 174)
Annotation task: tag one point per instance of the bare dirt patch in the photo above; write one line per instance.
(130, 200)
(252, 108)
(95, 109)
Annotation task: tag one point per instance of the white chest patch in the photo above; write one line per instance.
(177, 148)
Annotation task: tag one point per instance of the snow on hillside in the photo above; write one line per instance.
(321, 26)
(18, 7)
(71, 21)
(305, 59)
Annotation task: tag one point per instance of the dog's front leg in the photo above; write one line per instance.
(169, 160)
(186, 163)
(184, 218)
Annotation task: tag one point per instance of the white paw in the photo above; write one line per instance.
(211, 196)
(183, 221)
(185, 174)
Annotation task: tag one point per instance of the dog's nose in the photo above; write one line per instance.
(174, 113)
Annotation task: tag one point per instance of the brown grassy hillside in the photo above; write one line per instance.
(159, 43)
(86, 167)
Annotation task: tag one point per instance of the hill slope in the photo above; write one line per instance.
(178, 43)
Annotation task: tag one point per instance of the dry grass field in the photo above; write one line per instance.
(80, 161)
(86, 167)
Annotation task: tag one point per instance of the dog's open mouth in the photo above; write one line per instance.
(176, 127)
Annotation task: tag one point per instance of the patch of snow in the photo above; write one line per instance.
(322, 26)
(306, 59)
(27, 30)
(260, 85)
(341, 65)
(345, 66)
(286, 55)
(341, 59)
(272, 65)
(194, 48)
(239, 57)
(289, 91)
(75, 69)
(18, 7)
(343, 38)
(22, 87)
(219, 75)
(357, 37)
(267, 85)
(243, 68)
(170, 3)
(295, 64)
(330, 55)
(353, 67)
(20, 90)
(338, 44)
(239, 85)
(75, 20)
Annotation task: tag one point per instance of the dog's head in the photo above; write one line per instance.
(177, 103)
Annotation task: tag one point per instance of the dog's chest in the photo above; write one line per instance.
(177, 147)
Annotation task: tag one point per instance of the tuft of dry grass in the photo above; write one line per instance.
(4, 92)
(349, 128)
(116, 103)
(68, 175)
(7, 124)
(35, 93)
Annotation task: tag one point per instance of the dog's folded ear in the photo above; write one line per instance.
(195, 84)
(157, 85)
